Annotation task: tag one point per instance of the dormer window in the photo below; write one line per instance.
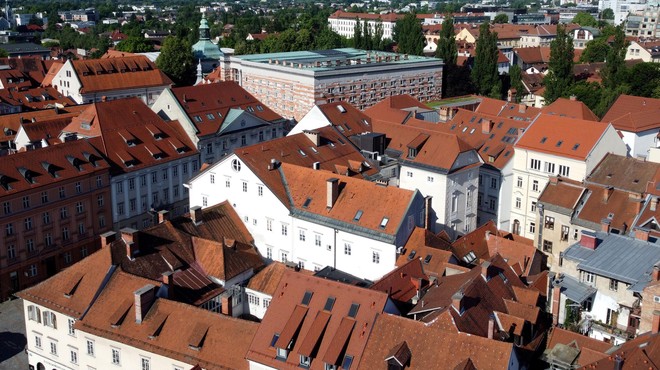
(358, 215)
(384, 222)
(198, 119)
(305, 361)
(412, 152)
(470, 257)
(412, 255)
(27, 174)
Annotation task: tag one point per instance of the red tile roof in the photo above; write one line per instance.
(642, 352)
(346, 118)
(355, 197)
(33, 67)
(169, 328)
(432, 250)
(268, 279)
(132, 135)
(431, 347)
(403, 283)
(13, 122)
(132, 72)
(216, 100)
(47, 166)
(570, 108)
(562, 136)
(290, 313)
(517, 252)
(505, 109)
(389, 17)
(634, 113)
(42, 98)
(582, 342)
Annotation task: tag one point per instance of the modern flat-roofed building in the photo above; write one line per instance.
(292, 83)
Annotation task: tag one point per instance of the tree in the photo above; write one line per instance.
(378, 35)
(501, 18)
(585, 19)
(614, 71)
(367, 40)
(409, 35)
(176, 60)
(357, 34)
(515, 75)
(607, 14)
(134, 45)
(559, 79)
(596, 51)
(484, 73)
(447, 50)
(643, 79)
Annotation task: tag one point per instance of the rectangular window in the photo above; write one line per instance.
(72, 330)
(244, 187)
(302, 235)
(454, 203)
(285, 229)
(518, 203)
(143, 180)
(44, 197)
(269, 225)
(119, 187)
(115, 356)
(26, 202)
(260, 190)
(317, 240)
(375, 257)
(9, 228)
(120, 209)
(549, 167)
(78, 187)
(533, 206)
(146, 365)
(547, 246)
(549, 223)
(62, 193)
(520, 182)
(284, 256)
(131, 184)
(7, 207)
(99, 200)
(535, 185)
(269, 253)
(212, 178)
(564, 232)
(535, 164)
(37, 341)
(80, 207)
(614, 285)
(588, 277)
(99, 181)
(564, 170)
(164, 174)
(53, 348)
(154, 177)
(347, 249)
(74, 357)
(28, 223)
(532, 227)
(205, 201)
(493, 183)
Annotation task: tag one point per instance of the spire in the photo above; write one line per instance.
(204, 33)
(200, 77)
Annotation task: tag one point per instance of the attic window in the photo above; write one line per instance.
(427, 259)
(260, 108)
(341, 129)
(348, 361)
(352, 312)
(500, 124)
(472, 119)
(358, 215)
(313, 149)
(486, 149)
(329, 303)
(576, 146)
(341, 109)
(341, 141)
(365, 122)
(412, 255)
(198, 119)
(464, 129)
(5, 182)
(219, 115)
(210, 116)
(491, 136)
(453, 127)
(27, 174)
(383, 222)
(543, 140)
(302, 153)
(307, 201)
(470, 257)
(472, 131)
(52, 170)
(559, 143)
(250, 109)
(276, 336)
(307, 298)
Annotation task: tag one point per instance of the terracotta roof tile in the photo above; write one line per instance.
(449, 349)
(590, 349)
(403, 283)
(343, 334)
(562, 136)
(201, 102)
(346, 118)
(505, 109)
(433, 251)
(225, 260)
(639, 353)
(634, 113)
(564, 193)
(14, 121)
(267, 280)
(520, 252)
(131, 72)
(570, 108)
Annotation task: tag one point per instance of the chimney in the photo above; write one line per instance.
(588, 240)
(129, 236)
(144, 298)
(196, 215)
(313, 136)
(605, 225)
(656, 322)
(654, 204)
(642, 235)
(428, 209)
(163, 216)
(486, 126)
(456, 301)
(522, 108)
(332, 191)
(655, 275)
(573, 98)
(226, 305)
(107, 238)
(618, 362)
(104, 98)
(484, 269)
(168, 280)
(607, 193)
(491, 326)
(316, 165)
(556, 299)
(273, 164)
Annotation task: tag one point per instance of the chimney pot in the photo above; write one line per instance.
(129, 236)
(522, 108)
(428, 212)
(556, 298)
(655, 276)
(605, 225)
(163, 216)
(168, 280)
(332, 191)
(107, 238)
(144, 298)
(486, 126)
(456, 301)
(196, 215)
(654, 204)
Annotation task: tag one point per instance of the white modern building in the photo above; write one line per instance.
(344, 23)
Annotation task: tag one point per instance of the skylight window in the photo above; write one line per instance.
(472, 131)
(198, 119)
(329, 303)
(307, 201)
(470, 257)
(260, 108)
(341, 109)
(576, 146)
(543, 140)
(472, 119)
(500, 124)
(383, 222)
(464, 129)
(313, 149)
(358, 215)
(427, 259)
(412, 255)
(307, 297)
(352, 312)
(559, 143)
(302, 153)
(210, 116)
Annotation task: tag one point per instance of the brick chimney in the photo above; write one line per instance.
(226, 304)
(656, 322)
(196, 215)
(107, 238)
(144, 298)
(313, 136)
(168, 280)
(129, 236)
(486, 126)
(457, 301)
(642, 235)
(654, 204)
(607, 193)
(332, 192)
(588, 240)
(491, 326)
(605, 225)
(556, 299)
(163, 216)
(522, 108)
(655, 275)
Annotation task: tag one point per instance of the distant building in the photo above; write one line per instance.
(26, 50)
(344, 22)
(292, 83)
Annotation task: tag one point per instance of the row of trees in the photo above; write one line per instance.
(364, 38)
